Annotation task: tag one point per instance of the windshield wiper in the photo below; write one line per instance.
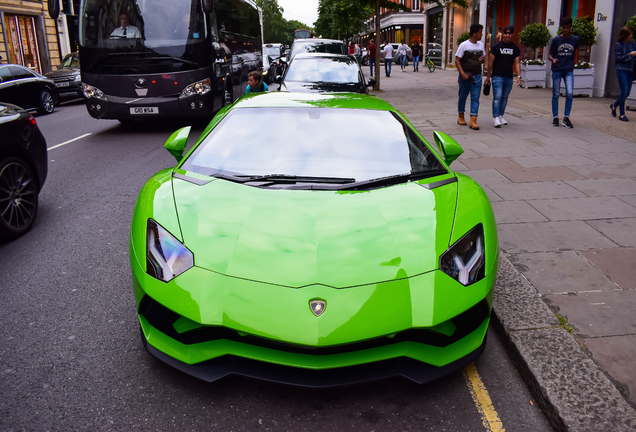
(394, 179)
(173, 58)
(283, 178)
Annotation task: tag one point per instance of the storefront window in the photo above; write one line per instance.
(23, 47)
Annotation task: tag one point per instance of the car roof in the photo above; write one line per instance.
(311, 100)
(318, 40)
(327, 55)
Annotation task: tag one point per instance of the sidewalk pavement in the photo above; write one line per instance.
(565, 205)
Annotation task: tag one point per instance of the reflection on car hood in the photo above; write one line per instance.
(298, 237)
(321, 87)
(62, 72)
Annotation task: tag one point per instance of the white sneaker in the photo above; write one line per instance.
(502, 121)
(496, 122)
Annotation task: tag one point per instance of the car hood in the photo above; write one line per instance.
(297, 238)
(61, 72)
(320, 87)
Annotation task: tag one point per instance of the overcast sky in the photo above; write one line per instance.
(305, 11)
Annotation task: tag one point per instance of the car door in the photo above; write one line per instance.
(27, 87)
(8, 89)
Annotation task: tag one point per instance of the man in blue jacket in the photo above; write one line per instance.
(561, 55)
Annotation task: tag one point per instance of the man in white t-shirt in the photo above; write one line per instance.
(470, 55)
(388, 57)
(402, 49)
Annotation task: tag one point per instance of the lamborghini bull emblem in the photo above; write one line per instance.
(318, 306)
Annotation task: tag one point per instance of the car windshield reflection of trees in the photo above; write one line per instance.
(329, 70)
(318, 142)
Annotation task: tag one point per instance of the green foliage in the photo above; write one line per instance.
(585, 30)
(535, 35)
(632, 23)
(463, 37)
(277, 29)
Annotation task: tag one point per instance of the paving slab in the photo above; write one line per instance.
(505, 152)
(492, 196)
(620, 231)
(612, 158)
(619, 264)
(486, 163)
(516, 212)
(551, 236)
(583, 208)
(615, 355)
(559, 149)
(487, 177)
(631, 200)
(607, 170)
(553, 160)
(561, 272)
(607, 313)
(606, 187)
(540, 174)
(539, 190)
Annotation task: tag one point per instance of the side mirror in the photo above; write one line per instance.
(448, 147)
(177, 142)
(372, 82)
(208, 6)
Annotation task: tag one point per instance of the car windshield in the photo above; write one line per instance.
(318, 47)
(273, 52)
(323, 69)
(70, 61)
(313, 142)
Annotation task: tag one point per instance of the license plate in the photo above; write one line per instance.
(61, 84)
(144, 110)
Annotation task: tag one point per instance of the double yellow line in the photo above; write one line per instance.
(478, 392)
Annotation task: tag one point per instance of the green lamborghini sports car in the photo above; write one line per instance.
(315, 240)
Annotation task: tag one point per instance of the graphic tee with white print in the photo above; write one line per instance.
(469, 54)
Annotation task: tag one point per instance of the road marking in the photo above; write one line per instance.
(480, 396)
(69, 141)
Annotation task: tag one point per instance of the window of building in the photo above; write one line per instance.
(415, 7)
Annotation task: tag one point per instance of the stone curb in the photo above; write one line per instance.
(570, 388)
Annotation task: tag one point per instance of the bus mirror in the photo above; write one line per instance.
(208, 6)
(177, 142)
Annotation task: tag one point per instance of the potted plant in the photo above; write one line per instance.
(533, 70)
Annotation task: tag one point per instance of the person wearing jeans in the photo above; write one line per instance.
(469, 57)
(371, 50)
(470, 86)
(402, 49)
(415, 54)
(388, 58)
(561, 55)
(503, 57)
(624, 53)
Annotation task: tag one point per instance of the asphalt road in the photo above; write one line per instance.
(71, 357)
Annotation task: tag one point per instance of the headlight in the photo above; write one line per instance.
(197, 88)
(464, 261)
(166, 257)
(78, 77)
(90, 91)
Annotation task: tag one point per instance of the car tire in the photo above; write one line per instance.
(19, 189)
(47, 103)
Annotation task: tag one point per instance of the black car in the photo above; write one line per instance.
(23, 169)
(28, 89)
(67, 77)
(332, 46)
(272, 65)
(325, 73)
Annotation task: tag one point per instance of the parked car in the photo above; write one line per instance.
(396, 58)
(26, 88)
(272, 66)
(332, 73)
(23, 169)
(67, 77)
(316, 240)
(331, 46)
(435, 53)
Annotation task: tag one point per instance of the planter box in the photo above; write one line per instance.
(533, 76)
(583, 82)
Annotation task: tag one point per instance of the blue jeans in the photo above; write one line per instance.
(372, 65)
(387, 65)
(568, 78)
(416, 62)
(625, 83)
(501, 88)
(402, 61)
(473, 86)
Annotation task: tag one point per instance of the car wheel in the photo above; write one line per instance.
(18, 198)
(47, 104)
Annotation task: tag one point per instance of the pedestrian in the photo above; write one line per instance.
(624, 53)
(388, 58)
(351, 48)
(470, 55)
(561, 55)
(357, 53)
(415, 55)
(502, 58)
(255, 83)
(402, 49)
(371, 51)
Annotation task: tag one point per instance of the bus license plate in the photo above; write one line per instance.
(144, 110)
(63, 84)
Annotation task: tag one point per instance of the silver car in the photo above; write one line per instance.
(396, 57)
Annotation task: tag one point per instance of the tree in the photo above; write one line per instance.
(274, 25)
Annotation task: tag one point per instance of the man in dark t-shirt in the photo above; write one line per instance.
(561, 55)
(504, 55)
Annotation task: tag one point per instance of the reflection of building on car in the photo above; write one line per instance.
(23, 170)
(330, 46)
(27, 89)
(394, 255)
(67, 77)
(332, 73)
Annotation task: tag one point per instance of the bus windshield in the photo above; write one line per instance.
(143, 32)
